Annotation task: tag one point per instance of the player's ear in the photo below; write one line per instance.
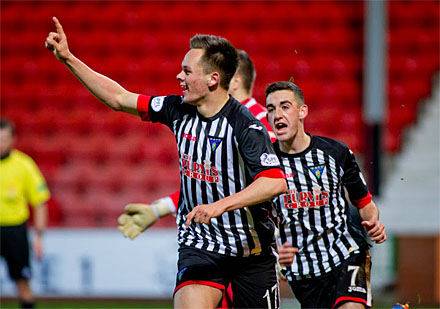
(213, 79)
(303, 111)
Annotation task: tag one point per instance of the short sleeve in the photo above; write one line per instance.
(353, 179)
(256, 148)
(36, 188)
(162, 109)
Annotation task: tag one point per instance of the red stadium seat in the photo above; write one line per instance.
(84, 146)
(76, 210)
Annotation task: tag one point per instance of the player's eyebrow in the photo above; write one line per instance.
(285, 102)
(281, 103)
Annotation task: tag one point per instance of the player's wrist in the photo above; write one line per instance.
(162, 207)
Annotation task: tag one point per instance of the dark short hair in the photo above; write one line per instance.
(219, 56)
(246, 70)
(7, 124)
(283, 85)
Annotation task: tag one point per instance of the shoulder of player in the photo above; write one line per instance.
(176, 101)
(242, 120)
(324, 140)
(331, 146)
(173, 99)
(21, 158)
(239, 113)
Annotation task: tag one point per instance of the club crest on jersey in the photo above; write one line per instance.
(317, 170)
(157, 103)
(214, 142)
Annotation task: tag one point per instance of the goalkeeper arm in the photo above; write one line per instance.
(139, 217)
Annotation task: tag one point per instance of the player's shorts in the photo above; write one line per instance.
(349, 282)
(15, 249)
(253, 279)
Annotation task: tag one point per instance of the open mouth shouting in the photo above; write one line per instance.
(280, 127)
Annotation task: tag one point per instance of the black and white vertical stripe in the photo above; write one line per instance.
(233, 232)
(321, 233)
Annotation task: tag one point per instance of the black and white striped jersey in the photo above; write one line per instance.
(218, 156)
(315, 211)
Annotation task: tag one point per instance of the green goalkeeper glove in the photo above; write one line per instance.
(139, 217)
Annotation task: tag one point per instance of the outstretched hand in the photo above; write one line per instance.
(375, 230)
(136, 219)
(57, 42)
(203, 214)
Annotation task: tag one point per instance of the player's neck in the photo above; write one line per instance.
(240, 95)
(299, 143)
(213, 105)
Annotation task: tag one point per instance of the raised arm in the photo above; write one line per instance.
(104, 89)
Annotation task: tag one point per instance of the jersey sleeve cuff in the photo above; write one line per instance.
(361, 203)
(174, 199)
(142, 106)
(171, 204)
(271, 173)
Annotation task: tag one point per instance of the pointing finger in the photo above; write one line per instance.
(58, 25)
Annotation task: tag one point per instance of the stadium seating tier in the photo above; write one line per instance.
(96, 160)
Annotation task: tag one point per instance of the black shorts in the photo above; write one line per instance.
(349, 282)
(15, 249)
(253, 279)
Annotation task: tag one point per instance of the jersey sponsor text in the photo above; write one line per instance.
(294, 199)
(199, 171)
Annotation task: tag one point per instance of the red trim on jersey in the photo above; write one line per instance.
(175, 198)
(363, 201)
(272, 173)
(142, 106)
(201, 282)
(351, 299)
